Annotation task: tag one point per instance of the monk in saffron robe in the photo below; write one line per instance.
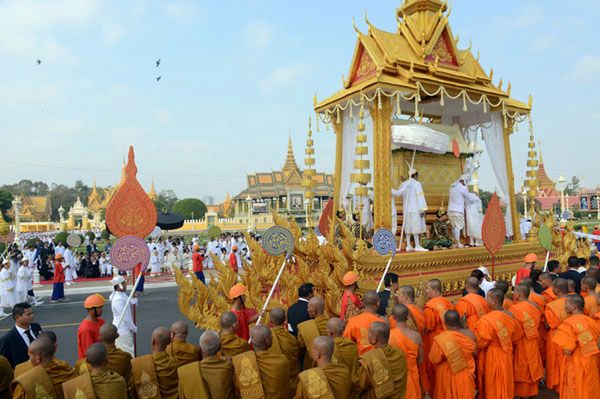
(210, 378)
(540, 301)
(260, 373)
(555, 314)
(496, 332)
(310, 329)
(547, 284)
(46, 376)
(157, 371)
(382, 371)
(472, 306)
(181, 351)
(528, 360)
(434, 311)
(345, 351)
(588, 292)
(328, 379)
(453, 354)
(119, 361)
(409, 341)
(6, 376)
(578, 337)
(416, 319)
(231, 344)
(357, 328)
(284, 343)
(98, 382)
(503, 286)
(58, 364)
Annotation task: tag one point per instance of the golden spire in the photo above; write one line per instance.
(290, 161)
(94, 194)
(152, 193)
(531, 181)
(308, 181)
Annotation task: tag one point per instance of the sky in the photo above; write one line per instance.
(237, 77)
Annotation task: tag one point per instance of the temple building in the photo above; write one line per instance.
(33, 208)
(547, 196)
(282, 191)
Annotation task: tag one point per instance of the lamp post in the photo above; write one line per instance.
(249, 203)
(561, 184)
(16, 203)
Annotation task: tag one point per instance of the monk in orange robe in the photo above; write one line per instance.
(416, 320)
(555, 314)
(357, 328)
(472, 306)
(588, 292)
(528, 361)
(409, 341)
(434, 311)
(540, 301)
(496, 332)
(453, 354)
(503, 285)
(546, 280)
(180, 350)
(577, 337)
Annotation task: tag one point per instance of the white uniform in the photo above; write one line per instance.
(413, 205)
(8, 294)
(70, 272)
(458, 198)
(474, 221)
(155, 265)
(127, 328)
(24, 276)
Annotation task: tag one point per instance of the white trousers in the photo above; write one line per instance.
(125, 343)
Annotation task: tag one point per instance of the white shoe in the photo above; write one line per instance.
(421, 249)
(409, 249)
(37, 303)
(459, 245)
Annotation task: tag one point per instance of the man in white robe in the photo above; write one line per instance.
(414, 207)
(8, 284)
(70, 266)
(458, 198)
(127, 328)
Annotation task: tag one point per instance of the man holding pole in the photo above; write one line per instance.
(414, 207)
(119, 306)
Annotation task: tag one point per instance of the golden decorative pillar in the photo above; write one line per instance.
(308, 175)
(507, 131)
(338, 128)
(381, 114)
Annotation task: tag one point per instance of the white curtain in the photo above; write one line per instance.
(493, 135)
(350, 126)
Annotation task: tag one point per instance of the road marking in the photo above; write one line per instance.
(47, 326)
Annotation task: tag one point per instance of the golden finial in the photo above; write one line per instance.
(358, 32)
(343, 80)
(470, 45)
(477, 59)
(491, 73)
(530, 101)
(367, 19)
(449, 9)
(456, 39)
(508, 88)
(500, 84)
(315, 100)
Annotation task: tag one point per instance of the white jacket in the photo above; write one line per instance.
(413, 198)
(118, 300)
(459, 194)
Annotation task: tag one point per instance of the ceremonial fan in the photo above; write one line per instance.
(416, 138)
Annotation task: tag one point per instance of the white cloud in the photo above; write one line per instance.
(283, 77)
(258, 34)
(586, 69)
(181, 9)
(544, 41)
(113, 32)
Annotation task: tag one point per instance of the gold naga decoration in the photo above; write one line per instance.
(564, 246)
(322, 265)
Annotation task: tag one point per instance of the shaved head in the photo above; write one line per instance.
(407, 290)
(452, 319)
(316, 306)
(545, 276)
(472, 283)
(560, 286)
(324, 345)
(210, 343)
(43, 347)
(371, 298)
(96, 355)
(496, 295)
(277, 316)
(228, 320)
(502, 285)
(108, 334)
(435, 285)
(576, 301)
(379, 332)
(400, 313)
(179, 329)
(335, 326)
(593, 272)
(523, 291)
(590, 283)
(261, 337)
(161, 338)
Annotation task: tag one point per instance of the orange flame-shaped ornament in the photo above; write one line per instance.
(493, 230)
(130, 211)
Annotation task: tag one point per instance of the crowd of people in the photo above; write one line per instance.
(494, 342)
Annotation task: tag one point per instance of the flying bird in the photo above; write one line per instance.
(158, 78)
(158, 63)
(38, 61)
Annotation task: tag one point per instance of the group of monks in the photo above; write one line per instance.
(492, 347)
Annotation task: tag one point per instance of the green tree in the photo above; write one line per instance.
(165, 201)
(6, 198)
(190, 208)
(573, 186)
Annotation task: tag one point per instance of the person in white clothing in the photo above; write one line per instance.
(60, 249)
(70, 261)
(126, 329)
(458, 198)
(24, 276)
(105, 265)
(155, 264)
(414, 207)
(8, 283)
(474, 222)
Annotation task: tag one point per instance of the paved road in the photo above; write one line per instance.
(157, 308)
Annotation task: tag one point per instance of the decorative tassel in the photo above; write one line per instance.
(465, 109)
(350, 106)
(379, 99)
(398, 110)
(337, 118)
(416, 107)
(484, 99)
(441, 96)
